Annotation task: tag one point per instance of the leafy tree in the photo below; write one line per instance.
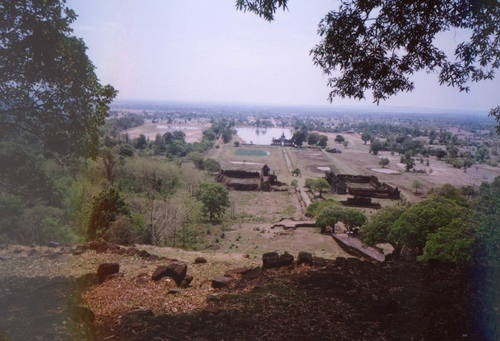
(197, 159)
(353, 218)
(318, 185)
(366, 137)
(296, 172)
(141, 142)
(211, 165)
(49, 92)
(329, 217)
(106, 207)
(495, 113)
(412, 228)
(339, 139)
(214, 198)
(126, 150)
(159, 145)
(22, 173)
(376, 146)
(299, 137)
(323, 141)
(441, 153)
(316, 207)
(451, 193)
(383, 162)
(452, 243)
(378, 227)
(407, 159)
(294, 184)
(313, 139)
(385, 42)
(110, 161)
(486, 223)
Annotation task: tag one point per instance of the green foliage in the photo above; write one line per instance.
(486, 223)
(41, 224)
(299, 137)
(451, 193)
(329, 216)
(366, 137)
(316, 207)
(215, 199)
(353, 218)
(376, 146)
(106, 207)
(313, 139)
(412, 228)
(197, 159)
(383, 162)
(48, 89)
(323, 141)
(339, 139)
(140, 142)
(23, 173)
(147, 176)
(126, 150)
(212, 165)
(452, 243)
(378, 227)
(318, 185)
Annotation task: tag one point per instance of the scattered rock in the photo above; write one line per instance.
(246, 256)
(174, 291)
(305, 258)
(286, 259)
(4, 258)
(274, 260)
(237, 271)
(177, 271)
(200, 260)
(53, 244)
(221, 282)
(252, 274)
(106, 269)
(187, 281)
(270, 260)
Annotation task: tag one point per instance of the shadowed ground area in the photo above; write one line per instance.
(43, 308)
(342, 300)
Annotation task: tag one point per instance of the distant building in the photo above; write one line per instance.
(282, 141)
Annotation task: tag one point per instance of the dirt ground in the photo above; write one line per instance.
(356, 159)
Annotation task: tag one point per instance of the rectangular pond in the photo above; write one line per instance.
(262, 136)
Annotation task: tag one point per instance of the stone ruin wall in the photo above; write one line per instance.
(381, 190)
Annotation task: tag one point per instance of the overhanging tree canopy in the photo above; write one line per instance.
(378, 44)
(49, 92)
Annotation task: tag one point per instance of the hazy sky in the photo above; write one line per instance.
(200, 50)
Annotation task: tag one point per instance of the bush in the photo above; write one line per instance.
(105, 208)
(212, 165)
(214, 198)
(316, 207)
(127, 230)
(378, 227)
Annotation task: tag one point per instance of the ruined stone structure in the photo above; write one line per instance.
(362, 187)
(243, 180)
(282, 141)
